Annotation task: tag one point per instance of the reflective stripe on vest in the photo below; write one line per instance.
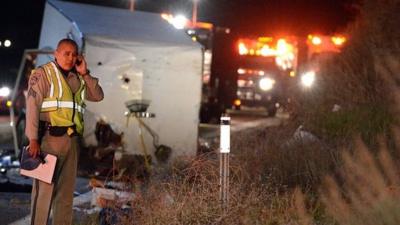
(62, 104)
(61, 101)
(60, 89)
(48, 72)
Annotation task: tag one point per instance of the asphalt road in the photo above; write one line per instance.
(6, 138)
(241, 120)
(15, 206)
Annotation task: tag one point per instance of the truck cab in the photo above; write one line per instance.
(265, 66)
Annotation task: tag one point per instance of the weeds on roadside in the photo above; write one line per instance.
(369, 192)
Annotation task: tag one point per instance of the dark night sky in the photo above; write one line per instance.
(20, 20)
(255, 16)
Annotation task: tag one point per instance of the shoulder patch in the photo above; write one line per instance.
(33, 79)
(35, 76)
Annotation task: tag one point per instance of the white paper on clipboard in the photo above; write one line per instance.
(44, 171)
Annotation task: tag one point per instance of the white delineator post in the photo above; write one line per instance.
(225, 128)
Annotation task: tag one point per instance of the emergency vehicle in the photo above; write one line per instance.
(318, 48)
(265, 66)
(268, 68)
(264, 71)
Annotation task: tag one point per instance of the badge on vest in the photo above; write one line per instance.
(70, 131)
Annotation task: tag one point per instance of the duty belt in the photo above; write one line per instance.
(56, 131)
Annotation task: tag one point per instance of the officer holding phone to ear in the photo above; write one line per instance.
(57, 92)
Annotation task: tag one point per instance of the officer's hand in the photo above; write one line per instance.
(81, 66)
(34, 148)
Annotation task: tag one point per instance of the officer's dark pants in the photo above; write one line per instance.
(59, 195)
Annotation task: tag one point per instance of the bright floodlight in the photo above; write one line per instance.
(266, 83)
(241, 71)
(308, 78)
(7, 43)
(316, 40)
(5, 92)
(179, 22)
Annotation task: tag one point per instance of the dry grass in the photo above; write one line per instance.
(283, 157)
(366, 193)
(261, 185)
(370, 190)
(191, 196)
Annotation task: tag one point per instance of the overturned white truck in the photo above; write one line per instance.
(138, 57)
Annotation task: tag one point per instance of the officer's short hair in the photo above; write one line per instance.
(68, 41)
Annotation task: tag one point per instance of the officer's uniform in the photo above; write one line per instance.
(55, 107)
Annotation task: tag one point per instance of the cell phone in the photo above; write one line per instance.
(78, 62)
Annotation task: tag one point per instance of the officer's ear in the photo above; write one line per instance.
(55, 55)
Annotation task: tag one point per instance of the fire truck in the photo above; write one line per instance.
(265, 67)
(268, 68)
(263, 70)
(318, 49)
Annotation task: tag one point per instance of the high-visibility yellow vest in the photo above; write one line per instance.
(61, 102)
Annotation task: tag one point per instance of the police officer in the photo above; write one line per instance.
(54, 123)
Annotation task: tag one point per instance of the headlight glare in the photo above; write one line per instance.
(5, 92)
(308, 78)
(266, 83)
